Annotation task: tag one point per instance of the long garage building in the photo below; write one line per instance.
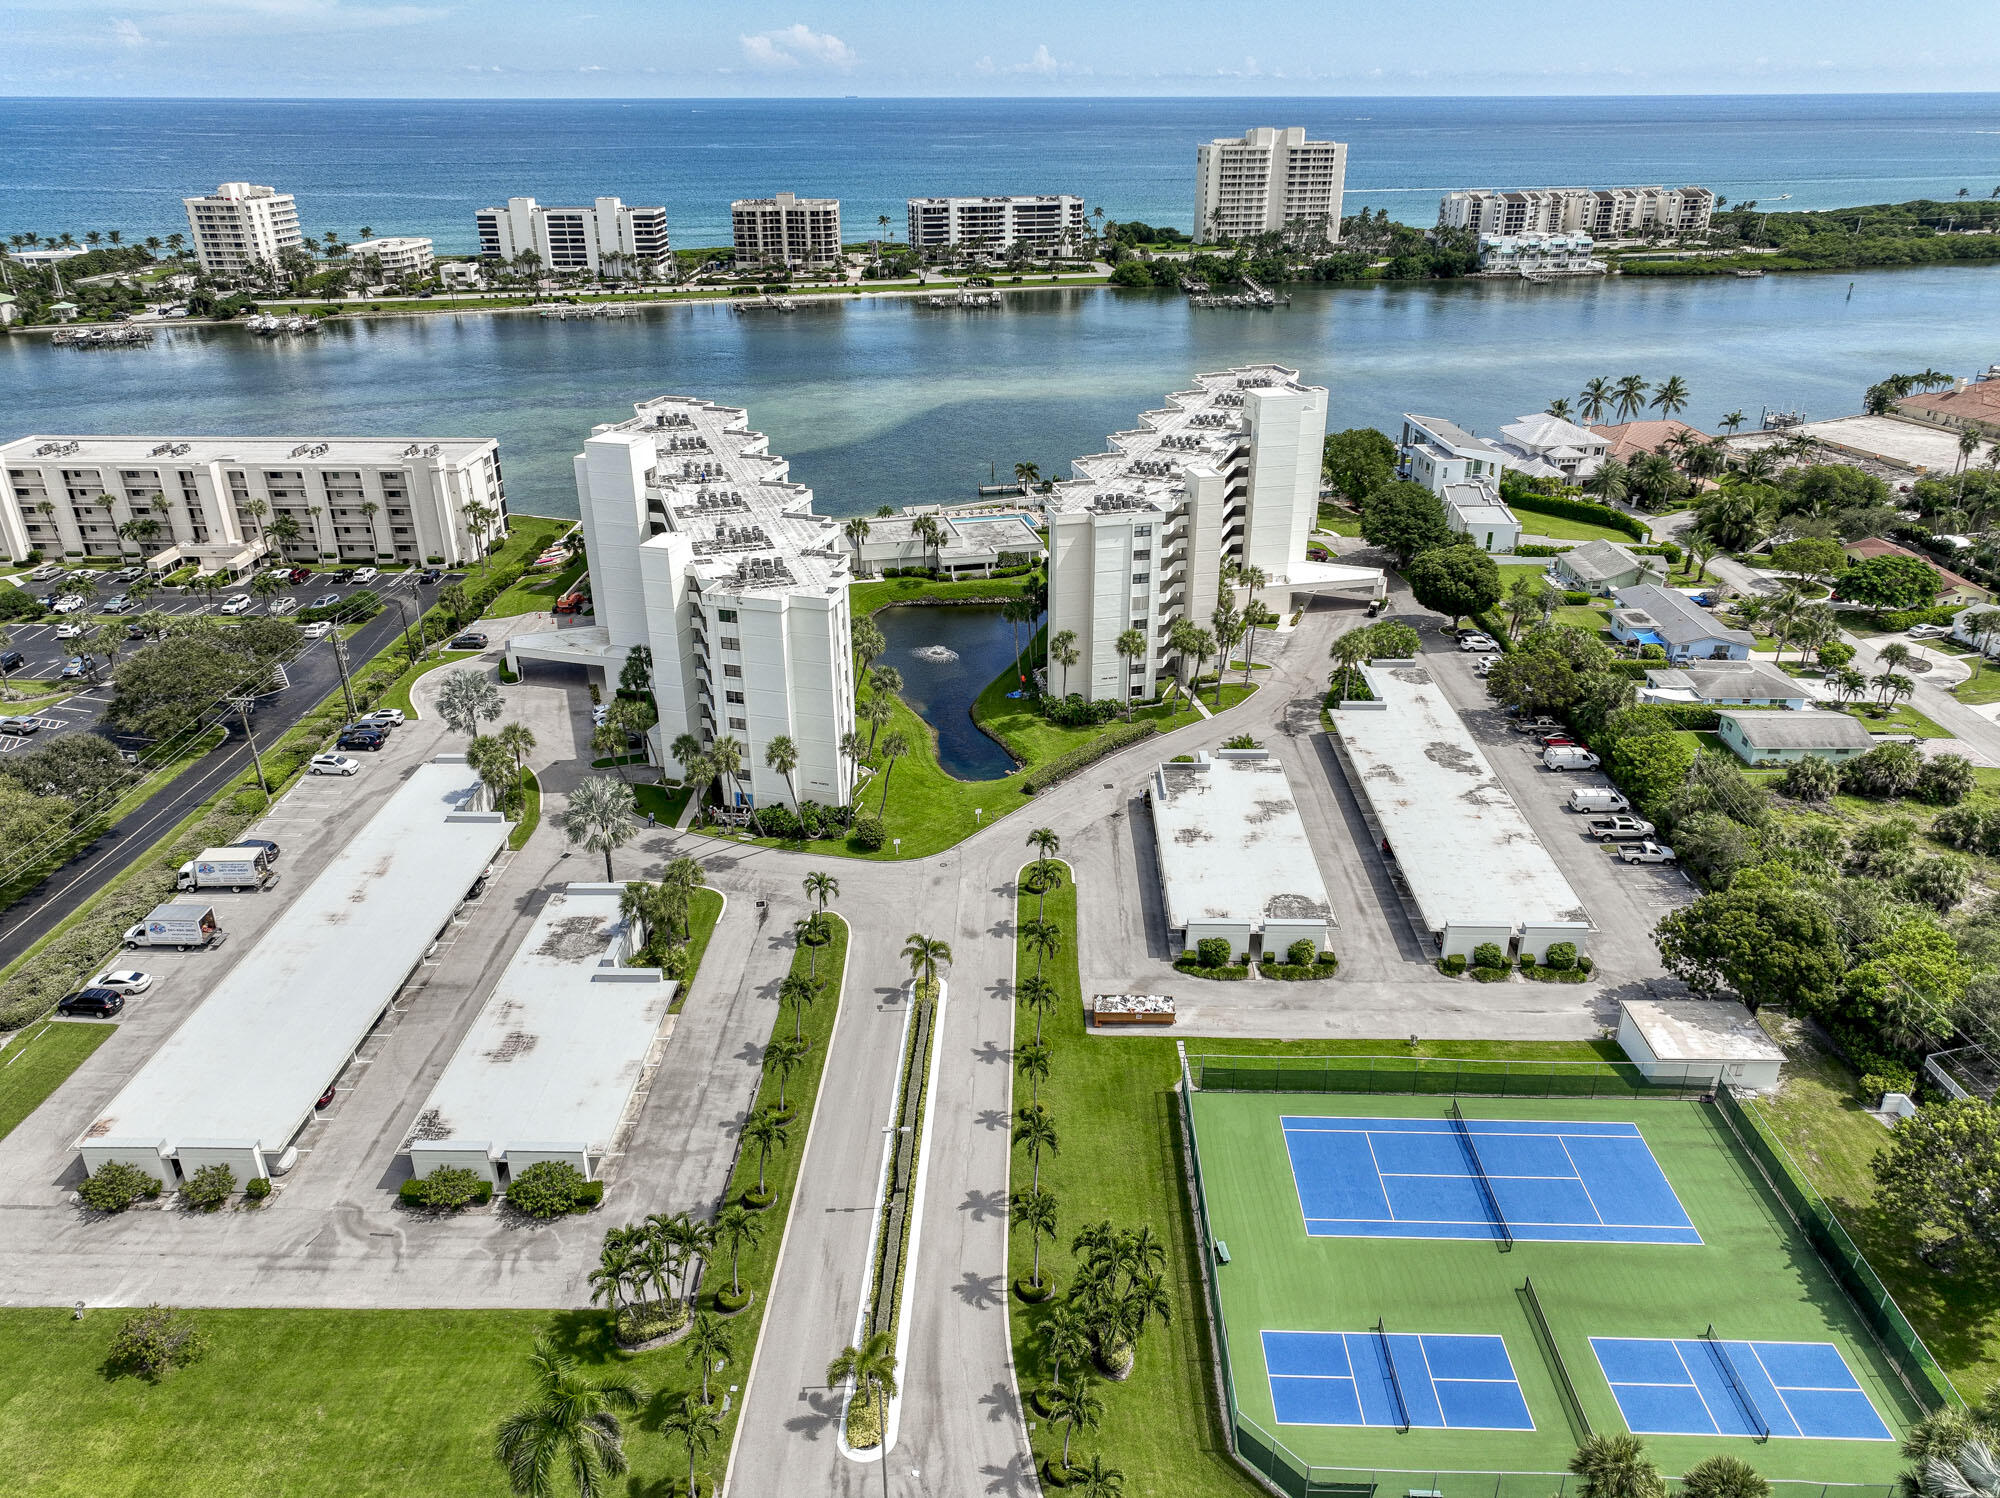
(552, 1068)
(1460, 850)
(237, 1081)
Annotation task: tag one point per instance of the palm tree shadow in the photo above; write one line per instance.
(584, 1335)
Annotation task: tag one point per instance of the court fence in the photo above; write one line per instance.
(1290, 1475)
(1926, 1381)
(1430, 1077)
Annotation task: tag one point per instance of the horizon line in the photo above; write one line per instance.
(223, 98)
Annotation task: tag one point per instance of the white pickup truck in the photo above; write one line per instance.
(1618, 829)
(1646, 852)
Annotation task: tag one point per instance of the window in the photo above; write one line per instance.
(1145, 554)
(1141, 577)
(732, 670)
(725, 616)
(1142, 530)
(1140, 625)
(741, 723)
(731, 642)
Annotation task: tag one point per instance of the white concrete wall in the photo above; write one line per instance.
(520, 1157)
(1459, 939)
(245, 1160)
(1279, 935)
(459, 1154)
(611, 497)
(1237, 933)
(1537, 939)
(149, 1155)
(1287, 434)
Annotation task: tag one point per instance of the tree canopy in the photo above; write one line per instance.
(1403, 519)
(1357, 462)
(1940, 1177)
(1455, 580)
(1764, 941)
(1890, 582)
(169, 687)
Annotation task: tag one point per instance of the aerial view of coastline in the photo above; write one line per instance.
(954, 752)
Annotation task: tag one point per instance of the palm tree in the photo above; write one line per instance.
(708, 1347)
(1615, 1466)
(613, 1273)
(782, 1057)
(857, 532)
(926, 529)
(1040, 997)
(925, 955)
(1020, 611)
(1034, 1128)
(737, 1228)
(1596, 399)
(797, 994)
(1062, 651)
(1044, 939)
(1044, 874)
(678, 882)
(765, 1131)
(821, 887)
(1349, 651)
(599, 816)
(1971, 1473)
(695, 1426)
(1732, 421)
(1032, 1062)
(519, 741)
(1611, 483)
(1630, 396)
(782, 755)
(1035, 1211)
(894, 747)
(872, 1369)
(1131, 648)
(1559, 408)
(1725, 1477)
(1096, 1480)
(571, 1422)
(725, 760)
(1075, 1408)
(1027, 475)
(1672, 397)
(868, 641)
(876, 713)
(884, 681)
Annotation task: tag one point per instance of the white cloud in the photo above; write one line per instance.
(591, 68)
(128, 33)
(1044, 64)
(797, 46)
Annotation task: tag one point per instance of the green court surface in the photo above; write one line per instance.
(1753, 1277)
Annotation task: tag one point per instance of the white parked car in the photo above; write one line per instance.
(332, 764)
(69, 603)
(283, 606)
(69, 631)
(236, 603)
(317, 629)
(1647, 852)
(365, 575)
(600, 714)
(1483, 667)
(122, 980)
(393, 717)
(1929, 631)
(1478, 642)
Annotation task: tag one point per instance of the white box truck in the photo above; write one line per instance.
(237, 868)
(182, 925)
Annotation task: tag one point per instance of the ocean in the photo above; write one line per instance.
(418, 167)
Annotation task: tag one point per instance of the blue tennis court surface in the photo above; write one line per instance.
(1363, 1378)
(1694, 1387)
(1568, 1182)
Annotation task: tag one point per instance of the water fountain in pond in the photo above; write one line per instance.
(942, 655)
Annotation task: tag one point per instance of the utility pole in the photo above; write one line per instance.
(340, 660)
(415, 652)
(242, 705)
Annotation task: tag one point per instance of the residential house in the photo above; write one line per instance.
(1726, 684)
(1603, 567)
(1973, 407)
(1435, 452)
(971, 543)
(1635, 439)
(1955, 589)
(1545, 446)
(1979, 627)
(1474, 509)
(1652, 615)
(1783, 738)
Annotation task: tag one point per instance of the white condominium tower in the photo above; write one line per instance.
(225, 500)
(1601, 212)
(240, 224)
(1227, 472)
(1270, 179)
(703, 551)
(995, 223)
(571, 239)
(786, 230)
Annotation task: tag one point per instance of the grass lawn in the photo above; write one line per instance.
(399, 694)
(531, 811)
(704, 910)
(535, 593)
(1902, 718)
(1340, 522)
(865, 598)
(1818, 1116)
(1981, 687)
(39, 1060)
(665, 802)
(1597, 620)
(1559, 528)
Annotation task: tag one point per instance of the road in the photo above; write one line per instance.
(313, 674)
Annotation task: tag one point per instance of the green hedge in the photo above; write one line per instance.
(1576, 509)
(1531, 550)
(1062, 767)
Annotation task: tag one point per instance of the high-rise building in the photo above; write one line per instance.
(240, 225)
(786, 230)
(349, 499)
(1270, 179)
(704, 551)
(608, 235)
(996, 223)
(1603, 212)
(1227, 472)
(396, 256)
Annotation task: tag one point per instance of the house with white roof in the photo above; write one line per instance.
(1650, 615)
(1474, 509)
(1760, 738)
(1435, 452)
(1545, 446)
(1726, 684)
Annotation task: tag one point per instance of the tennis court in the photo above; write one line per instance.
(1403, 1379)
(1527, 1180)
(1694, 1386)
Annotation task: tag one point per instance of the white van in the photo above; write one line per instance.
(1569, 757)
(1597, 801)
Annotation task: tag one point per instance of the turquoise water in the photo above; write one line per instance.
(888, 402)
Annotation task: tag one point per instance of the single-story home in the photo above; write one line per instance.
(1726, 684)
(1780, 738)
(1979, 627)
(1971, 407)
(1603, 567)
(1956, 589)
(1473, 508)
(1652, 615)
(1635, 439)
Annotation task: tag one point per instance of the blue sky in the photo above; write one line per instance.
(672, 48)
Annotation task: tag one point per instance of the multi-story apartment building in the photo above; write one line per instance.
(1270, 179)
(240, 225)
(1438, 453)
(703, 551)
(1603, 212)
(608, 235)
(1535, 254)
(396, 257)
(786, 230)
(1227, 472)
(996, 223)
(352, 499)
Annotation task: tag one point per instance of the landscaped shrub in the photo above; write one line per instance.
(550, 1188)
(779, 822)
(869, 834)
(1901, 619)
(115, 1186)
(1945, 780)
(1114, 738)
(1890, 1078)
(1652, 652)
(1576, 598)
(1242, 741)
(1488, 955)
(1530, 549)
(1302, 953)
(1519, 497)
(1074, 712)
(151, 1343)
(447, 1188)
(1561, 955)
(1809, 780)
(1454, 964)
(209, 1187)
(257, 1188)
(1212, 951)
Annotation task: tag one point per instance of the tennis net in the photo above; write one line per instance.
(1721, 1351)
(1395, 1383)
(1479, 1174)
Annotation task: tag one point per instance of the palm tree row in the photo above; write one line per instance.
(1626, 397)
(664, 911)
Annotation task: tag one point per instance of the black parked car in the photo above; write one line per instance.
(102, 1002)
(431, 575)
(361, 738)
(13, 660)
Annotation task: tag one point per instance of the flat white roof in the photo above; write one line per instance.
(1465, 849)
(555, 1053)
(248, 1064)
(1700, 1030)
(75, 449)
(1232, 846)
